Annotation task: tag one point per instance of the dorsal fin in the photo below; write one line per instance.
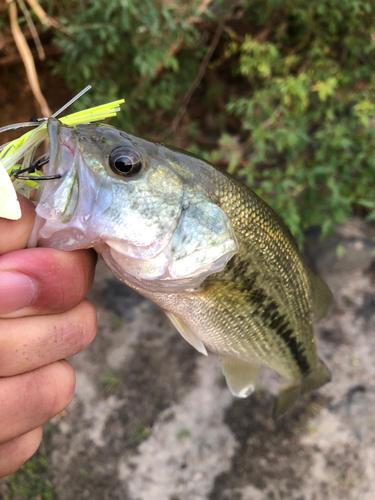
(241, 376)
(187, 332)
(322, 297)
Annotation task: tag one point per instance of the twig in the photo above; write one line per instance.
(27, 59)
(177, 46)
(198, 78)
(275, 114)
(171, 52)
(32, 29)
(262, 35)
(44, 18)
(203, 6)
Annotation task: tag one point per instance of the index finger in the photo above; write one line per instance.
(14, 234)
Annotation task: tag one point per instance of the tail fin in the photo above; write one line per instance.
(288, 394)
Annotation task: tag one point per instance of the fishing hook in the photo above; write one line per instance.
(31, 168)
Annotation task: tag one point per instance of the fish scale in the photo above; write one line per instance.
(280, 257)
(204, 247)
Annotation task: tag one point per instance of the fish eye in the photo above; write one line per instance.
(125, 161)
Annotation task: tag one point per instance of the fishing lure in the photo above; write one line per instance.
(24, 178)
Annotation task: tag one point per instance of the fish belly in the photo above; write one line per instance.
(234, 321)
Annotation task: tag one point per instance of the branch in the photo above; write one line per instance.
(198, 78)
(177, 46)
(27, 59)
(44, 18)
(32, 29)
(171, 52)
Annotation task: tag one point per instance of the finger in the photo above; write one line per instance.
(44, 280)
(29, 400)
(28, 343)
(14, 234)
(14, 453)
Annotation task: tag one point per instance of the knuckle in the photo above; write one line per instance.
(31, 399)
(33, 342)
(49, 390)
(62, 388)
(81, 326)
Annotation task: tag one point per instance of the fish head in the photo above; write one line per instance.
(141, 205)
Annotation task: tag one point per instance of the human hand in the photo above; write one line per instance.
(44, 317)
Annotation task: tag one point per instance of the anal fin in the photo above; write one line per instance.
(289, 393)
(187, 332)
(241, 376)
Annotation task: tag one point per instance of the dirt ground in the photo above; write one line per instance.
(152, 419)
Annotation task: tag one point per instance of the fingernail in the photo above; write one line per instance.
(16, 292)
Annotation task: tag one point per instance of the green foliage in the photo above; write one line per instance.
(120, 47)
(287, 101)
(183, 433)
(143, 434)
(309, 108)
(110, 381)
(30, 481)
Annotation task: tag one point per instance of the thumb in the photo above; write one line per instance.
(14, 234)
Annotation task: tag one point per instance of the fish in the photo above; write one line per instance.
(197, 242)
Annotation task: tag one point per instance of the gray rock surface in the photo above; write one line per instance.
(153, 420)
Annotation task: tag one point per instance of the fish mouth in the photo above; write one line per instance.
(69, 202)
(59, 196)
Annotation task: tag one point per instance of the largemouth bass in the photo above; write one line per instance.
(195, 241)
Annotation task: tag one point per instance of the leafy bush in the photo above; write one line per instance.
(309, 108)
(279, 92)
(121, 48)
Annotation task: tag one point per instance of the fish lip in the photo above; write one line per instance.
(55, 196)
(62, 147)
(53, 129)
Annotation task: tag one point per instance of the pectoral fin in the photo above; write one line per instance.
(288, 394)
(241, 377)
(187, 333)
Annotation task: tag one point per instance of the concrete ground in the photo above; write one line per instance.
(152, 418)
